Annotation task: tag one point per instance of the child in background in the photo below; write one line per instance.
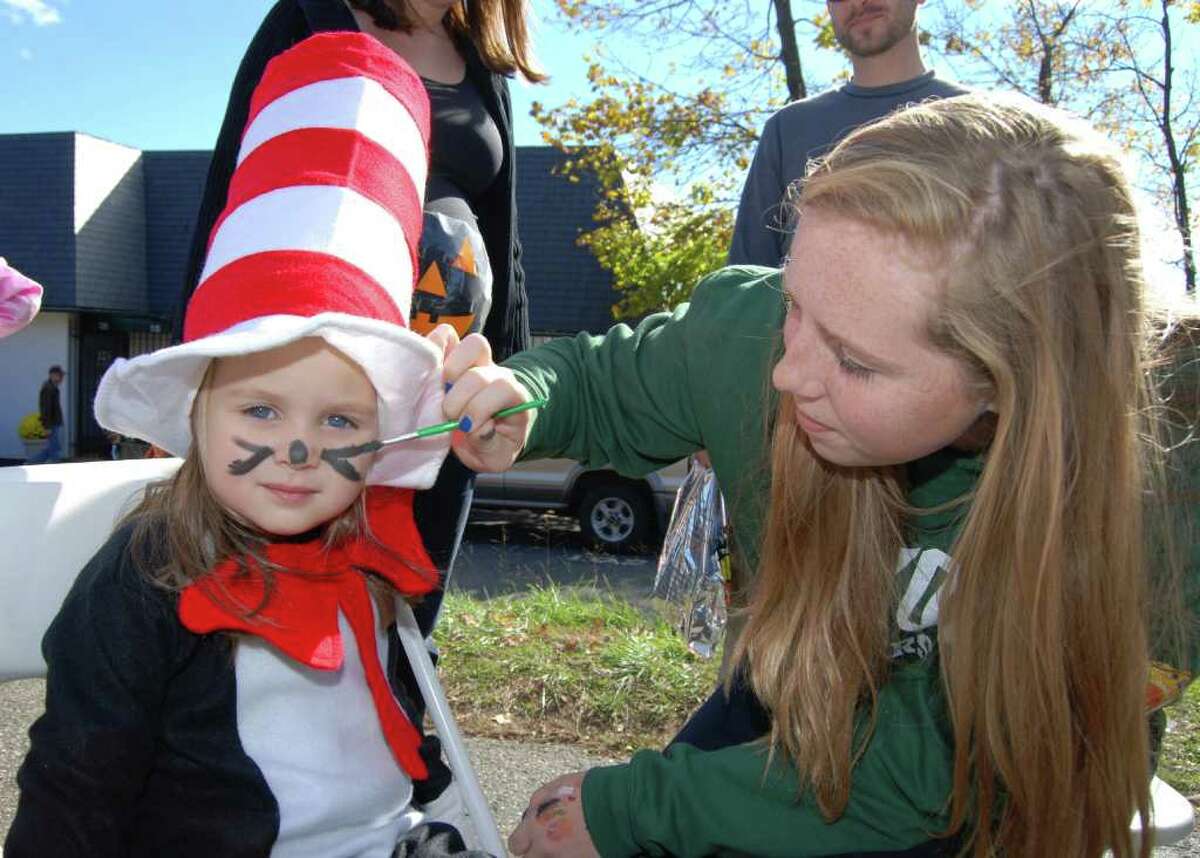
(224, 677)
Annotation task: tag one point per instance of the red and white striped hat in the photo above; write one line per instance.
(318, 239)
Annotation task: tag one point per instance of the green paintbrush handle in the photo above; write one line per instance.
(451, 425)
(436, 429)
(517, 409)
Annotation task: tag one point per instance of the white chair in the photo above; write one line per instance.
(1171, 817)
(53, 518)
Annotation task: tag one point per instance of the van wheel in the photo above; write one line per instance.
(615, 517)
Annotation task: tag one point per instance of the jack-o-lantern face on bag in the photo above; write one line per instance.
(455, 286)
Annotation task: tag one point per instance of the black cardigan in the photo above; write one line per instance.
(138, 753)
(292, 21)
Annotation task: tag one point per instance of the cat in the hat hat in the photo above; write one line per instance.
(224, 677)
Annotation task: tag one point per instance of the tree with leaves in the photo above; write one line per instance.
(670, 156)
(1114, 63)
(691, 131)
(1054, 52)
(1166, 113)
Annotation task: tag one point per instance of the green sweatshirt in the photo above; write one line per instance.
(694, 379)
(698, 378)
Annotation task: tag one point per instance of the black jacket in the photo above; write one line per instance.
(138, 754)
(292, 21)
(49, 405)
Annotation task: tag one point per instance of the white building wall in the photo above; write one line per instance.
(24, 359)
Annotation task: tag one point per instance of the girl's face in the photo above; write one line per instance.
(265, 420)
(869, 386)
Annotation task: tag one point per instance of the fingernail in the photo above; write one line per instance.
(449, 384)
(465, 424)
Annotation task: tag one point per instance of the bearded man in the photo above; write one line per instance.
(880, 37)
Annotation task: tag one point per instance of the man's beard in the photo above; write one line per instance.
(870, 44)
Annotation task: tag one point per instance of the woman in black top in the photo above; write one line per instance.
(459, 49)
(471, 273)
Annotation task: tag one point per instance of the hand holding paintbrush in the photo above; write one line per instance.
(463, 425)
(483, 393)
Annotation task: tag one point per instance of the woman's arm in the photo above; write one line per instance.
(688, 802)
(640, 398)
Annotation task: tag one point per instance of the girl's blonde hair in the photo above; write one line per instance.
(499, 30)
(1043, 632)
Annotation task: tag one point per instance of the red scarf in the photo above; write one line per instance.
(301, 616)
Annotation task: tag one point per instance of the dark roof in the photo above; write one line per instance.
(132, 244)
(174, 185)
(72, 216)
(568, 290)
(37, 211)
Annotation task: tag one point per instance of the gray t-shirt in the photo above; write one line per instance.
(800, 131)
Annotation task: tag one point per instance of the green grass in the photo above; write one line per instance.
(598, 672)
(551, 664)
(1179, 761)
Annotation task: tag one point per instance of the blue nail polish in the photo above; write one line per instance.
(449, 384)
(465, 424)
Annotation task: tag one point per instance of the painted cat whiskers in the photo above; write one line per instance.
(339, 458)
(298, 454)
(259, 453)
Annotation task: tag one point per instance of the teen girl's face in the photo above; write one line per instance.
(869, 387)
(265, 419)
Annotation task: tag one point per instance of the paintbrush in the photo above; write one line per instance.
(437, 429)
(339, 457)
(464, 424)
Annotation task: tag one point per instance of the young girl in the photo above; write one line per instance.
(470, 253)
(224, 677)
(965, 567)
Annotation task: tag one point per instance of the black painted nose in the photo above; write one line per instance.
(297, 453)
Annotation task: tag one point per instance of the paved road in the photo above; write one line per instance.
(505, 552)
(509, 551)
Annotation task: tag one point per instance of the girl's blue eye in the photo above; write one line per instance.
(341, 421)
(259, 412)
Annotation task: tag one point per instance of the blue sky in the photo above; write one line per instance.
(155, 75)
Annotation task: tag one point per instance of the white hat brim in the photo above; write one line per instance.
(150, 396)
